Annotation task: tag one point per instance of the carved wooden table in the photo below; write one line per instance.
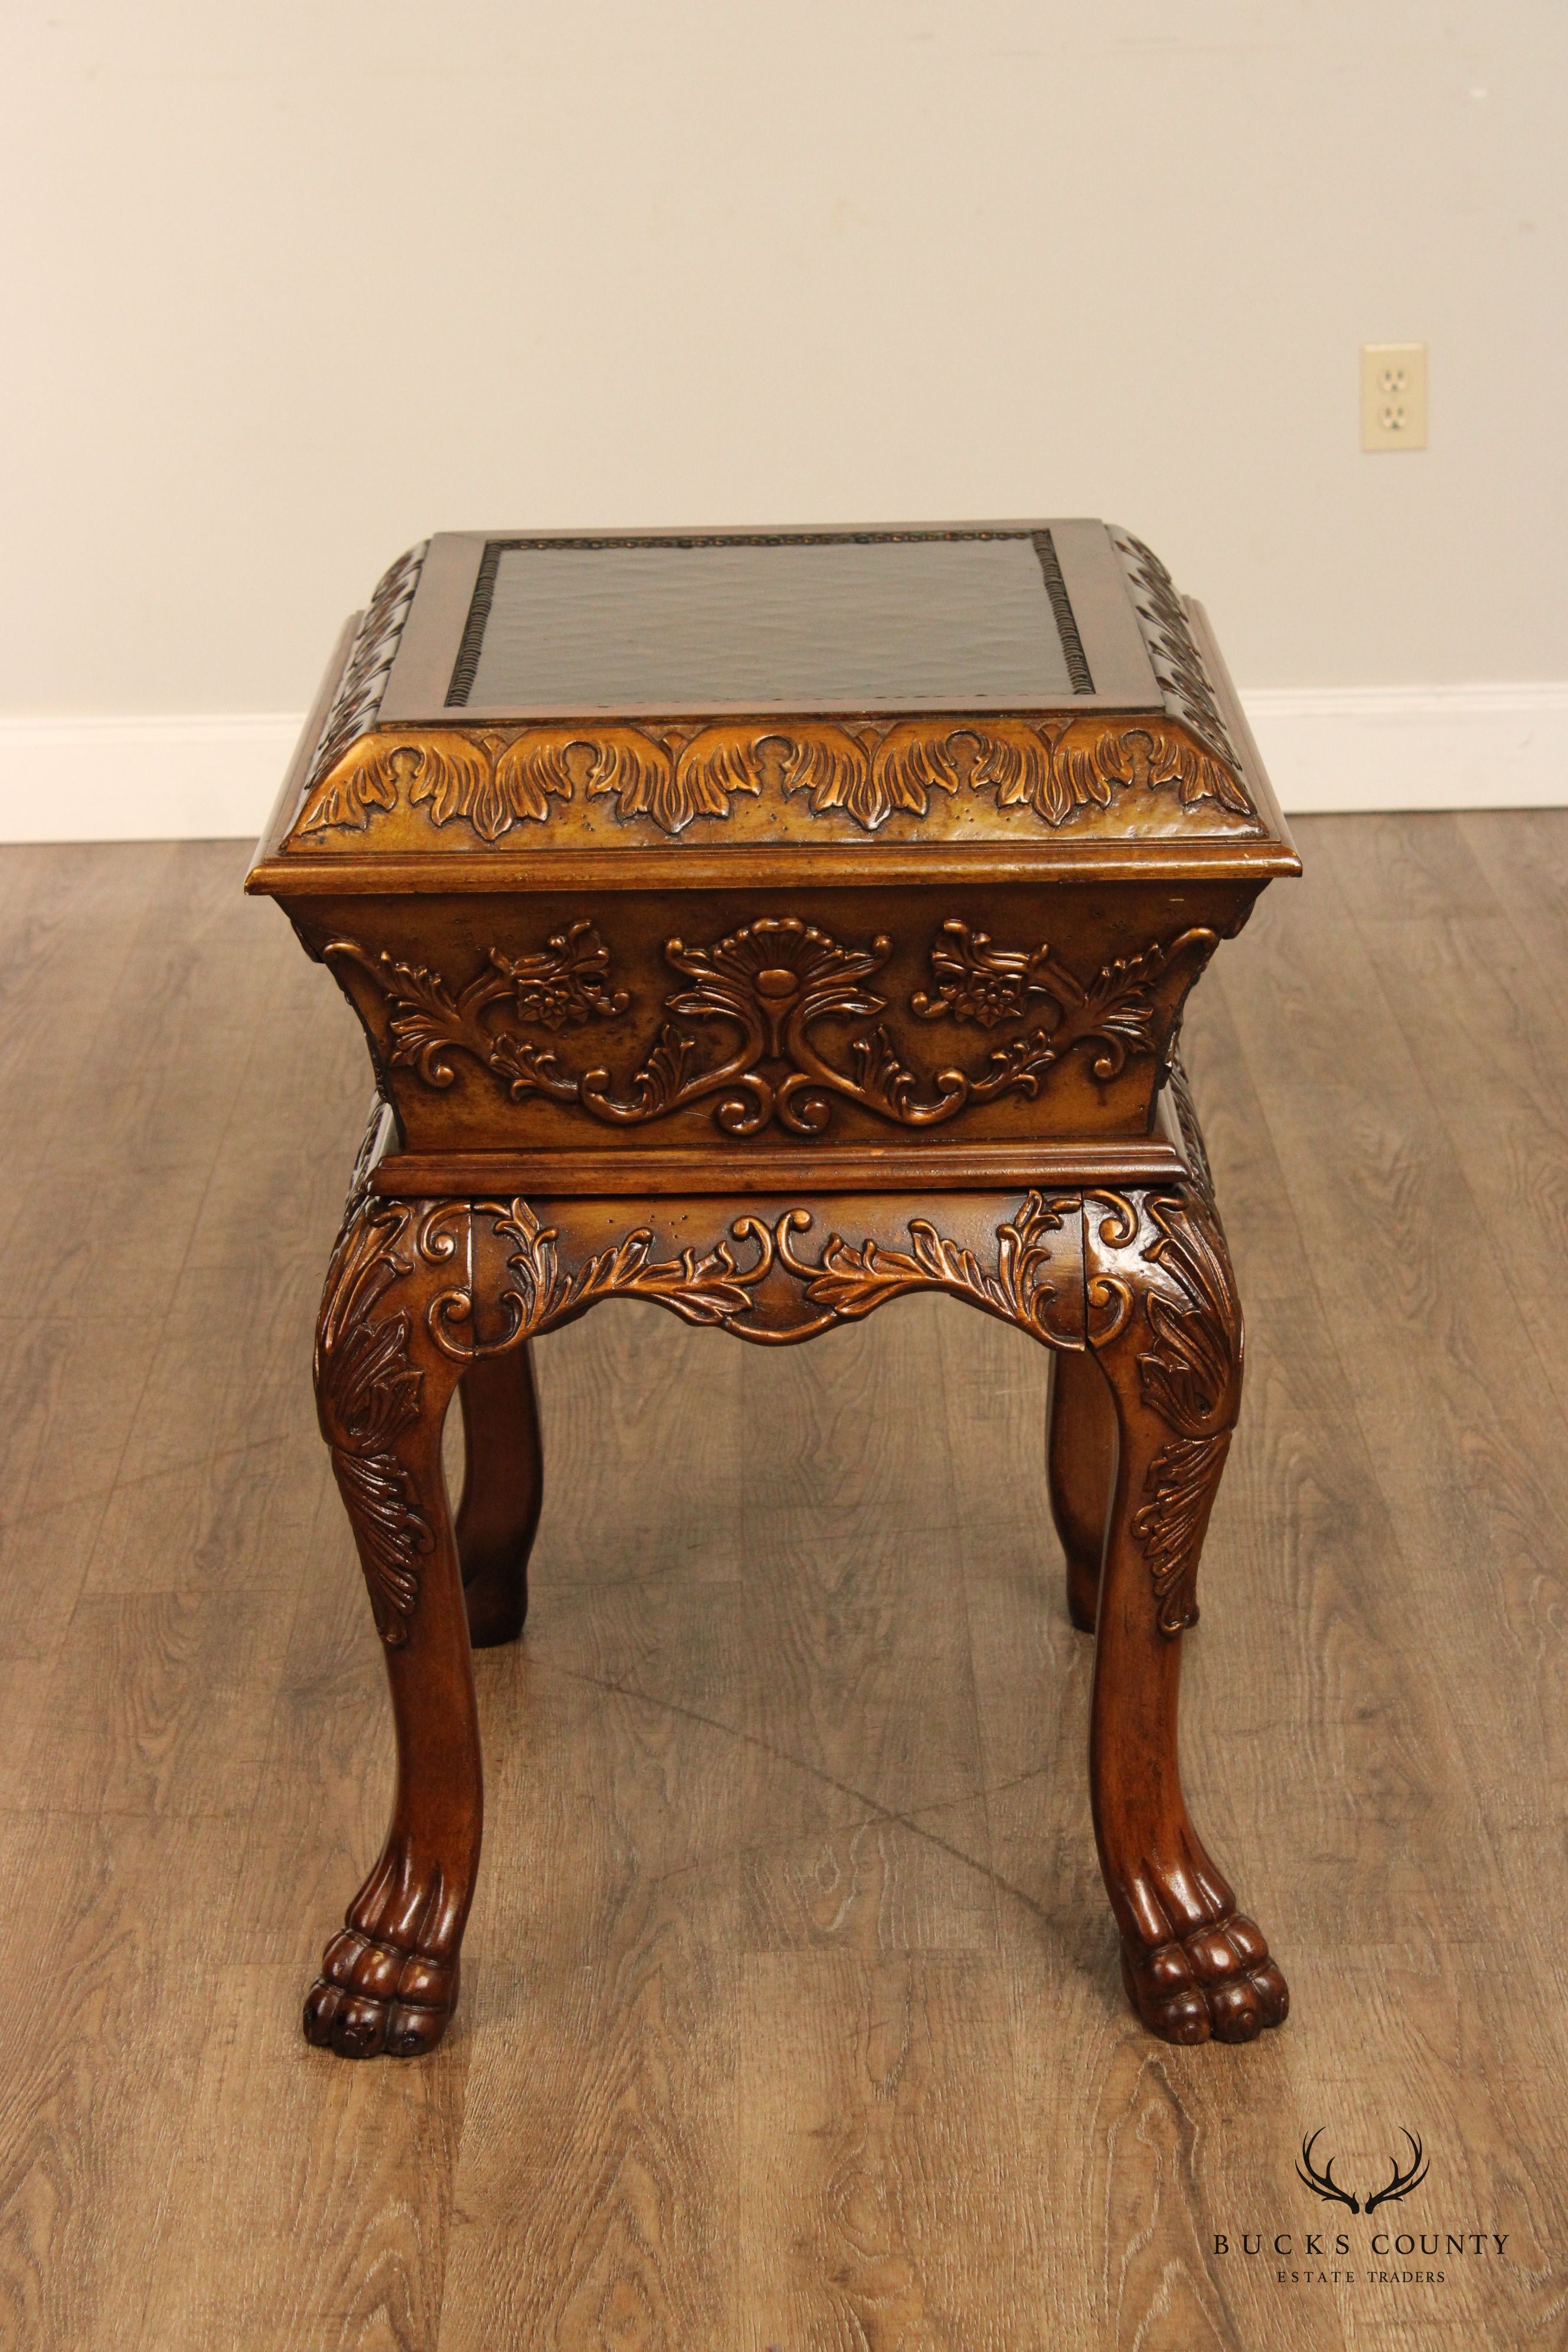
(771, 926)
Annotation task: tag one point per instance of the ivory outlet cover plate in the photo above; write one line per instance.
(1393, 395)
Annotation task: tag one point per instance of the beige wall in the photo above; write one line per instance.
(294, 282)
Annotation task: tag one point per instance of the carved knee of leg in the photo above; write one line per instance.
(383, 1385)
(1165, 1322)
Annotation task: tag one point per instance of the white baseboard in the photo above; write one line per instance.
(1414, 747)
(152, 779)
(1398, 747)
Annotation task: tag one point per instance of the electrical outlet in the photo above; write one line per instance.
(1393, 395)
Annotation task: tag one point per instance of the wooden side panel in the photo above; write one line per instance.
(772, 1021)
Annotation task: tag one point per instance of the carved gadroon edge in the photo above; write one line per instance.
(765, 990)
(1178, 665)
(357, 703)
(490, 781)
(1160, 1284)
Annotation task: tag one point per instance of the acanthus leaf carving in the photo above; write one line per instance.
(813, 757)
(1147, 756)
(1189, 1373)
(865, 769)
(1032, 1272)
(1001, 755)
(1182, 1482)
(475, 1279)
(703, 1287)
(368, 1394)
(451, 775)
(1035, 1280)
(361, 781)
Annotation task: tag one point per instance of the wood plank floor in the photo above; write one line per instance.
(791, 2014)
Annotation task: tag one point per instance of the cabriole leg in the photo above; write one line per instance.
(503, 1485)
(389, 1978)
(1080, 1461)
(1165, 1330)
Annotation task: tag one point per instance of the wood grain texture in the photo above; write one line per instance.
(791, 2015)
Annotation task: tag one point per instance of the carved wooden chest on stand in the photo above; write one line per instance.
(769, 926)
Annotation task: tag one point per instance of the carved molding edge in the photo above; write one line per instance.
(493, 780)
(1159, 1273)
(1178, 665)
(771, 982)
(357, 702)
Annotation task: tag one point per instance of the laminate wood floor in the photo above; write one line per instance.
(791, 2014)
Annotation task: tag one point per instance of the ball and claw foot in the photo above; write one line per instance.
(372, 2000)
(1217, 1982)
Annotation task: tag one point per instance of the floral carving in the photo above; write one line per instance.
(563, 987)
(771, 984)
(368, 1394)
(1118, 1010)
